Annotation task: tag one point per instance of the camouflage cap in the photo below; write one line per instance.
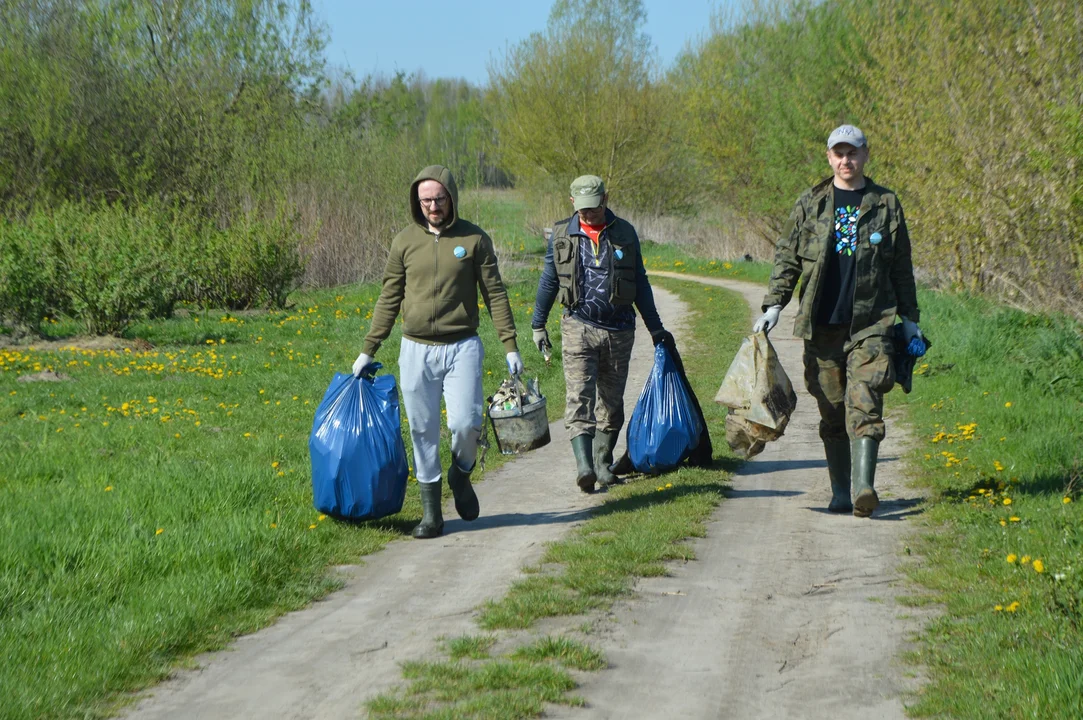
(846, 134)
(588, 191)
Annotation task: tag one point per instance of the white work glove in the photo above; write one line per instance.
(362, 362)
(541, 340)
(910, 329)
(768, 320)
(515, 363)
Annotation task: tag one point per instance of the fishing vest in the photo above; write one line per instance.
(622, 262)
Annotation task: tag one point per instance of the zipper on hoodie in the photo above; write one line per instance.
(435, 273)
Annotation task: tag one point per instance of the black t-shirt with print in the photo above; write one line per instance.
(837, 291)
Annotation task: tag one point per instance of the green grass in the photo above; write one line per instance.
(673, 258)
(998, 413)
(159, 503)
(634, 533)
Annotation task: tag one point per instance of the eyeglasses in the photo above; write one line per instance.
(429, 202)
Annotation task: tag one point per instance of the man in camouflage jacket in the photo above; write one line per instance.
(846, 242)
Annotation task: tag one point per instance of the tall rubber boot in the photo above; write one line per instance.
(838, 469)
(432, 518)
(466, 501)
(864, 451)
(604, 442)
(584, 462)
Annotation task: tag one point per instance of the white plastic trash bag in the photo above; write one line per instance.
(759, 395)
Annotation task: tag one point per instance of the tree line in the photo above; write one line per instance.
(216, 128)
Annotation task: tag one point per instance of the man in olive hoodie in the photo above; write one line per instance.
(434, 270)
(847, 243)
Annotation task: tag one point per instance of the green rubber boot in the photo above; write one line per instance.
(838, 469)
(864, 451)
(584, 462)
(466, 501)
(604, 442)
(432, 518)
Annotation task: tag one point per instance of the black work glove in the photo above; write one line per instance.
(663, 337)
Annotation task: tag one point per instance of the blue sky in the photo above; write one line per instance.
(456, 38)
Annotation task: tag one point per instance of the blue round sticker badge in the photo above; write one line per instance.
(460, 251)
(619, 253)
(875, 238)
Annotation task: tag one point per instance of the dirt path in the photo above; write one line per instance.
(787, 613)
(326, 660)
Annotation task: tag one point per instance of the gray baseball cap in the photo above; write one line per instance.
(846, 134)
(588, 191)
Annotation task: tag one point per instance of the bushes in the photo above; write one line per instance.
(108, 266)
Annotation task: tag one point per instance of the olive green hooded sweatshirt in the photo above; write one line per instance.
(434, 279)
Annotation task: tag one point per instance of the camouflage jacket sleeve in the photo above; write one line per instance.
(787, 268)
(902, 273)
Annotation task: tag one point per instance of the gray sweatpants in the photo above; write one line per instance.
(425, 373)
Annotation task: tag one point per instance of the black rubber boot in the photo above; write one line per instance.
(838, 469)
(864, 451)
(603, 458)
(432, 518)
(466, 501)
(584, 462)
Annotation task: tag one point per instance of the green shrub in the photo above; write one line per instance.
(114, 264)
(255, 262)
(27, 277)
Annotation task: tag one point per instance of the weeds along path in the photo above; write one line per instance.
(788, 611)
(326, 660)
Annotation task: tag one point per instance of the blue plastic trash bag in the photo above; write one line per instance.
(665, 427)
(359, 466)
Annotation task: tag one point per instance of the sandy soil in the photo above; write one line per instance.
(788, 611)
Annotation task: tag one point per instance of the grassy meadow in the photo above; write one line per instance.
(997, 410)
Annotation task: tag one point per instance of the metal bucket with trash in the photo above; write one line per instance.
(517, 415)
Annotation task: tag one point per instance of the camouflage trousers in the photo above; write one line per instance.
(848, 382)
(595, 365)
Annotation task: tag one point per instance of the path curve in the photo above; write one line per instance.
(788, 611)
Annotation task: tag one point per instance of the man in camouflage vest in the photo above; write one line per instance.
(846, 241)
(594, 266)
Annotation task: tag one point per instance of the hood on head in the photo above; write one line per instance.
(442, 175)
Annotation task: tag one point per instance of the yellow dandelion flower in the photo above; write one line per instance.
(1039, 566)
(312, 526)
(1024, 560)
(159, 531)
(274, 525)
(275, 464)
(1007, 501)
(248, 434)
(1003, 523)
(660, 488)
(669, 485)
(998, 608)
(1011, 557)
(280, 473)
(1008, 404)
(321, 517)
(1066, 500)
(108, 488)
(1013, 607)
